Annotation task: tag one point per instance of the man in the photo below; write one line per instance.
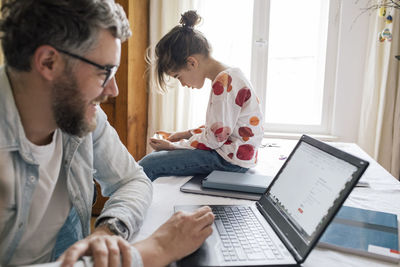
(61, 57)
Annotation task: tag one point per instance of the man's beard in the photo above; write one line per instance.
(69, 108)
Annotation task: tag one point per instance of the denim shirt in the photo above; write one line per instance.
(100, 155)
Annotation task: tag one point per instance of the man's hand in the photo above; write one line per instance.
(105, 248)
(181, 235)
(161, 144)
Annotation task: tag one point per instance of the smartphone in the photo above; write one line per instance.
(158, 136)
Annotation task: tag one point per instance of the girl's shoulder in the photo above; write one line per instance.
(231, 75)
(232, 71)
(237, 77)
(229, 82)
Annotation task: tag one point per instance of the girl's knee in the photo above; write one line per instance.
(145, 163)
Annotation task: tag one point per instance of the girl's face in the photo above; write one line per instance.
(192, 76)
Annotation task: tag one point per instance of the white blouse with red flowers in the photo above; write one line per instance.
(234, 119)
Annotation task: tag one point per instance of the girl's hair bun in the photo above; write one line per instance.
(189, 19)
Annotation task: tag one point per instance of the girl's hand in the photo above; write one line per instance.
(175, 137)
(163, 134)
(161, 144)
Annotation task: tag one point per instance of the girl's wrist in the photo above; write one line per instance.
(171, 146)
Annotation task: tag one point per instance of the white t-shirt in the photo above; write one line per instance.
(50, 206)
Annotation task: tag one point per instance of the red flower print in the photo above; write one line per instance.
(202, 146)
(243, 95)
(218, 88)
(215, 126)
(223, 81)
(228, 142)
(229, 88)
(230, 155)
(194, 144)
(222, 133)
(245, 152)
(197, 131)
(245, 133)
(198, 145)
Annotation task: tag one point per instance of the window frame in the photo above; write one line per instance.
(259, 67)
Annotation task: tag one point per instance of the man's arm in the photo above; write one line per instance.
(181, 235)
(130, 192)
(120, 178)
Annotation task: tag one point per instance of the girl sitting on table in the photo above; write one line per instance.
(233, 131)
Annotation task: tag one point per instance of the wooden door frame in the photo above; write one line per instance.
(127, 113)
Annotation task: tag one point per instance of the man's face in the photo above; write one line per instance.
(69, 107)
(77, 92)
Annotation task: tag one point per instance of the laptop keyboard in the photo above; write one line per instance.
(243, 237)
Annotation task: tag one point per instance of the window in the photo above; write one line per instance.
(227, 25)
(290, 63)
(287, 49)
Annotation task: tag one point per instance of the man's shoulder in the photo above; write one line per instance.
(10, 124)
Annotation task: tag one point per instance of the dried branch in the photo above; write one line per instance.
(383, 3)
(376, 4)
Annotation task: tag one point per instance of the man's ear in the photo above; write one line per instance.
(192, 62)
(47, 61)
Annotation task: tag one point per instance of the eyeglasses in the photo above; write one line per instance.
(110, 69)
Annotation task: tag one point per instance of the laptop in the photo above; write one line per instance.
(284, 225)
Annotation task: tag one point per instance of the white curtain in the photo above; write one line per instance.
(168, 111)
(379, 132)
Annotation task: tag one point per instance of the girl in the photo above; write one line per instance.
(233, 130)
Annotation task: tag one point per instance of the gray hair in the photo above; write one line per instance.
(71, 25)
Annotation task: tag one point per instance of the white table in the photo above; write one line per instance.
(382, 195)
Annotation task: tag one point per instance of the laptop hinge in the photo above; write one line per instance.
(283, 238)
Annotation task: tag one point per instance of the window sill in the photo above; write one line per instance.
(296, 136)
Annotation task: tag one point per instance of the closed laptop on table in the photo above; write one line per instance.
(285, 224)
(243, 182)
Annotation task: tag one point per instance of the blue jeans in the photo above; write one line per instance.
(185, 162)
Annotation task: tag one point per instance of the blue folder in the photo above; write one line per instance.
(364, 232)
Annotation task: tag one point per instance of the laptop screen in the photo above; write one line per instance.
(322, 175)
(319, 178)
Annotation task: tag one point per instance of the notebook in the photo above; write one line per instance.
(194, 185)
(364, 232)
(243, 182)
(285, 224)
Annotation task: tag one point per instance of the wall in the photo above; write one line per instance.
(128, 112)
(353, 34)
